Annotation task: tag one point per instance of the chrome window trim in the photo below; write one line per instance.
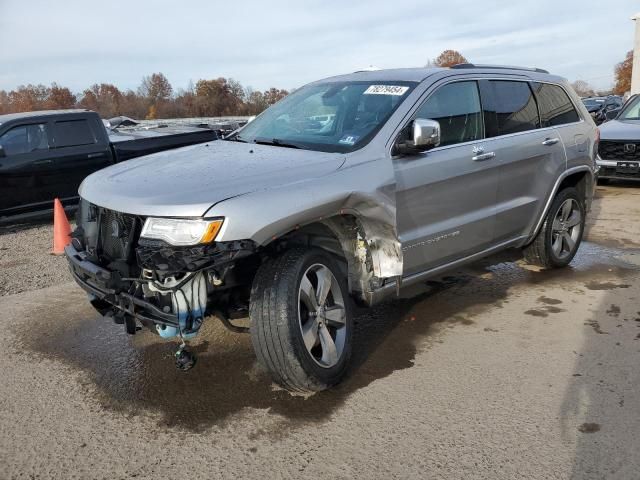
(474, 78)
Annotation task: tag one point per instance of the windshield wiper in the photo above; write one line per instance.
(276, 142)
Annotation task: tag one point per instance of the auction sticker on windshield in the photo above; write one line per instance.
(386, 90)
(349, 139)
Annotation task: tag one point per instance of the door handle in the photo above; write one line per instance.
(551, 141)
(483, 156)
(95, 155)
(43, 162)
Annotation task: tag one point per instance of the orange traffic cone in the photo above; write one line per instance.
(61, 229)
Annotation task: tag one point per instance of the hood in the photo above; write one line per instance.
(186, 182)
(620, 130)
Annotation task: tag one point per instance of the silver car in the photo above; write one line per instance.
(347, 190)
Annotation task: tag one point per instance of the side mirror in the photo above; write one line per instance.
(2, 152)
(611, 114)
(422, 134)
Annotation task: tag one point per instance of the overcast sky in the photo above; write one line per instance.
(289, 43)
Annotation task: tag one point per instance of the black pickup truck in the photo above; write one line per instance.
(46, 155)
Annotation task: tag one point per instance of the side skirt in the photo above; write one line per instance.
(390, 288)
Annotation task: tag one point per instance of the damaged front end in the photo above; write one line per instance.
(166, 288)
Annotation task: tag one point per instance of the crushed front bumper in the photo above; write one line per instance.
(103, 286)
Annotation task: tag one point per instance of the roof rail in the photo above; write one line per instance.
(503, 67)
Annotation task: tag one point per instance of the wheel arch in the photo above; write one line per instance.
(581, 178)
(369, 248)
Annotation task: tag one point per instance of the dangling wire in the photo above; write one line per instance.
(189, 309)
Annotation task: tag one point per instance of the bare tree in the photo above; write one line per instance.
(155, 87)
(157, 91)
(274, 95)
(5, 104)
(583, 88)
(255, 102)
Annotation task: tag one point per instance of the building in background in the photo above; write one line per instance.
(635, 72)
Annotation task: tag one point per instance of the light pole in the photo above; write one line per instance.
(635, 72)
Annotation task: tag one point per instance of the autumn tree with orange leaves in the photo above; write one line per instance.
(104, 98)
(157, 91)
(155, 98)
(449, 58)
(623, 75)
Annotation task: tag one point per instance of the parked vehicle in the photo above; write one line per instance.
(619, 151)
(290, 220)
(47, 154)
(598, 107)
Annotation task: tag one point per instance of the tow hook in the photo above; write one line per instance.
(121, 318)
(185, 358)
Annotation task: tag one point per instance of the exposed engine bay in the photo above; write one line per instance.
(168, 289)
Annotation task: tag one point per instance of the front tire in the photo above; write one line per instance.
(301, 325)
(558, 240)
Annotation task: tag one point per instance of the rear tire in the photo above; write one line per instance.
(301, 325)
(559, 238)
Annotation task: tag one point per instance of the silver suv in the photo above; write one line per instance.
(347, 190)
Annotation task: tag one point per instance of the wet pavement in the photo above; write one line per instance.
(495, 371)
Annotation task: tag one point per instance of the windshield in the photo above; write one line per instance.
(329, 117)
(631, 111)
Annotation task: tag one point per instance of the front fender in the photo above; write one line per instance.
(364, 190)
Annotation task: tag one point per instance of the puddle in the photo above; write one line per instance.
(605, 285)
(136, 374)
(536, 313)
(589, 427)
(546, 310)
(613, 310)
(549, 301)
(596, 327)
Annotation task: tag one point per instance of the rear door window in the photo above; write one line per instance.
(71, 133)
(25, 139)
(554, 104)
(509, 106)
(456, 106)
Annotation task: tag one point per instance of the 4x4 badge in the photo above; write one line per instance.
(629, 148)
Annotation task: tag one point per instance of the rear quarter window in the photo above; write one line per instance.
(71, 133)
(555, 106)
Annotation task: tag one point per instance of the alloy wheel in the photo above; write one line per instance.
(322, 315)
(566, 229)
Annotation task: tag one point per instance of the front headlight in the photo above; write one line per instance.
(181, 231)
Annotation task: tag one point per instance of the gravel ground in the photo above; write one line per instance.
(499, 371)
(25, 260)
